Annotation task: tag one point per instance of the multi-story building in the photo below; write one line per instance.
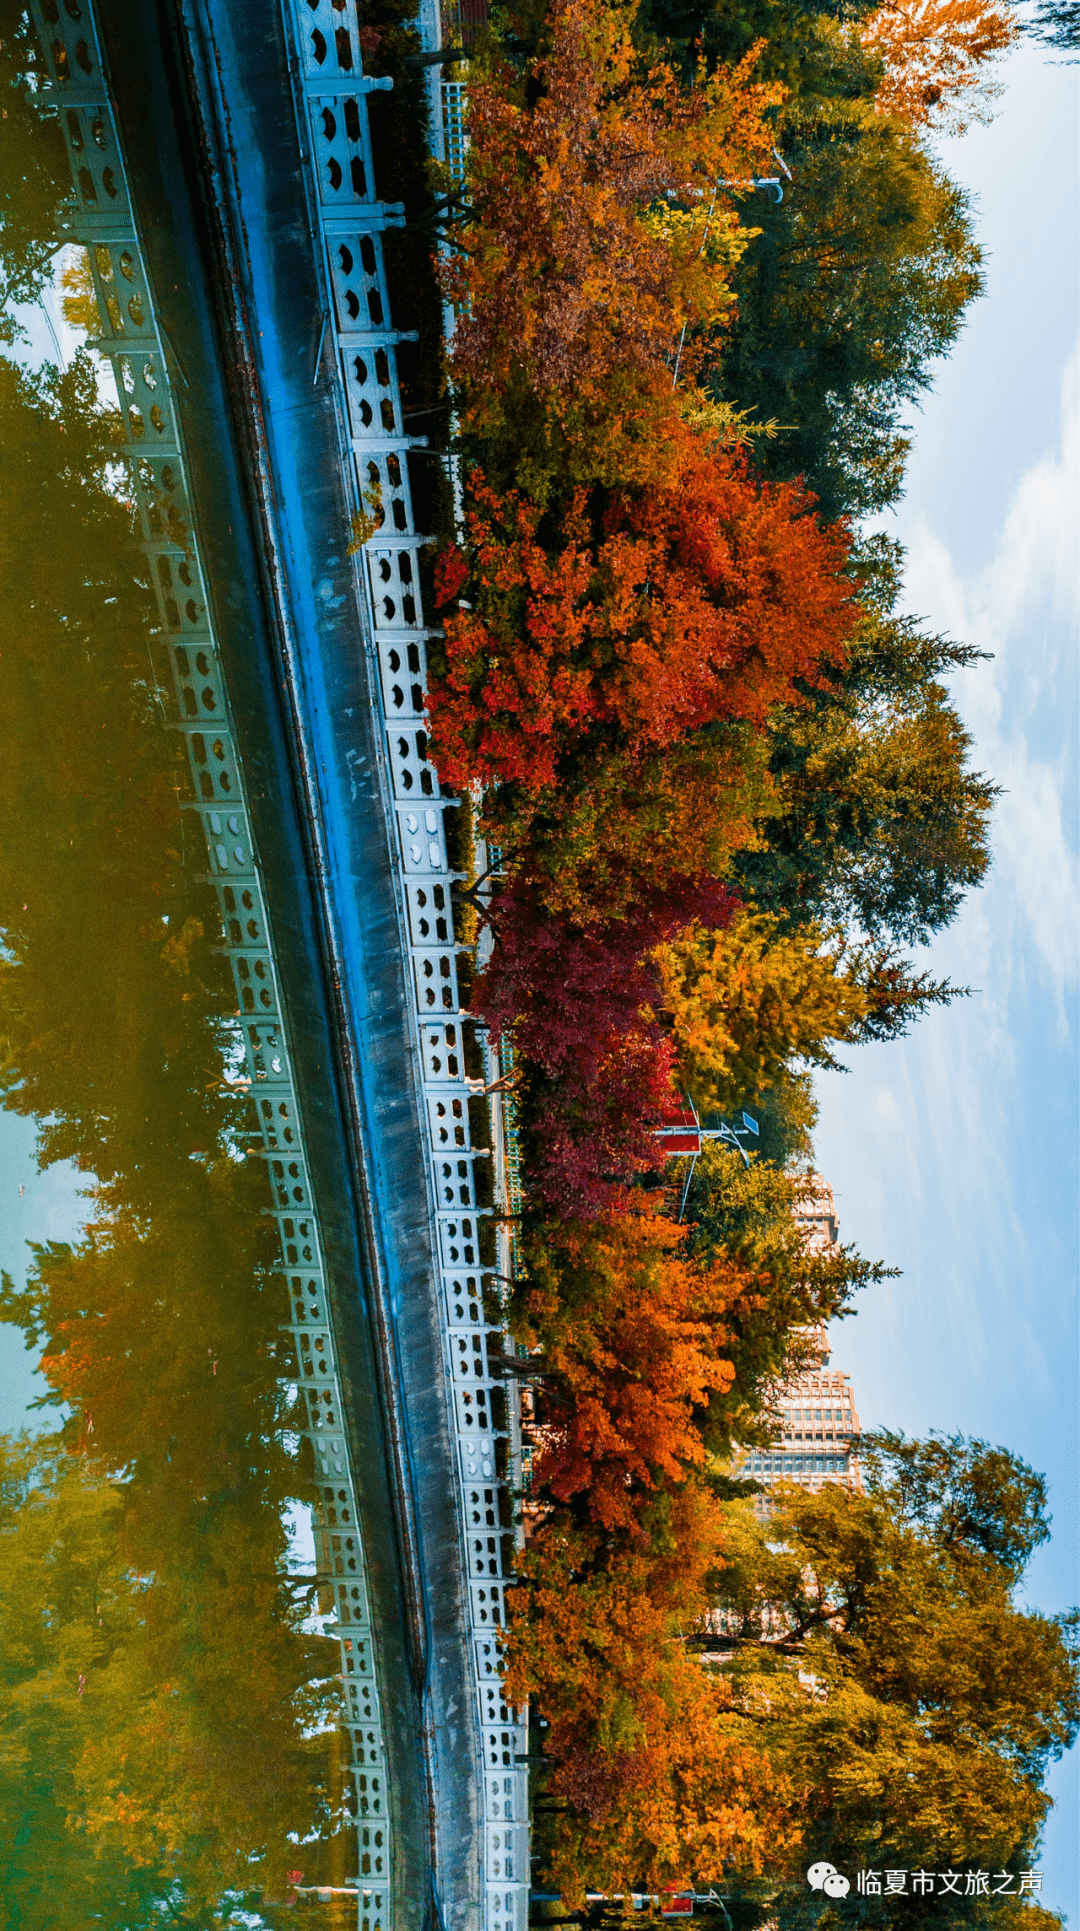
(817, 1212)
(819, 1430)
(818, 1437)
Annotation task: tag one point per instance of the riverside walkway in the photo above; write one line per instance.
(225, 194)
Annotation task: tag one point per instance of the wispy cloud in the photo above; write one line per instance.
(1023, 605)
(938, 1143)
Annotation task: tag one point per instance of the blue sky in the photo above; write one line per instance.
(954, 1153)
(48, 1208)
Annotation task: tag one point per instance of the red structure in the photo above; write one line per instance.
(464, 20)
(680, 1129)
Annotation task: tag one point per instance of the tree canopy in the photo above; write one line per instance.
(668, 663)
(856, 284)
(649, 1774)
(883, 825)
(716, 598)
(885, 1703)
(875, 1642)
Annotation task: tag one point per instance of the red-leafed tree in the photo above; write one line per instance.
(562, 989)
(578, 1002)
(671, 610)
(585, 1139)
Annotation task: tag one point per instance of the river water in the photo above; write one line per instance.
(169, 1703)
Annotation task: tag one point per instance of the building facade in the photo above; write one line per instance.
(818, 1436)
(817, 1213)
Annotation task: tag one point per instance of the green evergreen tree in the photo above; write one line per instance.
(856, 285)
(1056, 23)
(884, 826)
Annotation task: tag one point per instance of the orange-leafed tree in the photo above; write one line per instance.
(633, 1338)
(661, 1780)
(599, 223)
(672, 610)
(940, 58)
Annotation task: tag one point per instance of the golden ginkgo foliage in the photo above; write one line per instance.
(940, 58)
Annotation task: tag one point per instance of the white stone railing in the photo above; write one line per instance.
(334, 96)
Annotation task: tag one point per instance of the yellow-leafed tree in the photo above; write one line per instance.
(940, 59)
(746, 1001)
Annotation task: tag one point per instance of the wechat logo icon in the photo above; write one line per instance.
(826, 1877)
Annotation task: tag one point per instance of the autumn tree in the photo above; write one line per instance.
(748, 1001)
(666, 1339)
(577, 1003)
(621, 825)
(812, 52)
(786, 1113)
(939, 57)
(876, 1643)
(709, 601)
(649, 1780)
(583, 1140)
(593, 238)
(561, 990)
(858, 279)
(965, 1496)
(633, 1337)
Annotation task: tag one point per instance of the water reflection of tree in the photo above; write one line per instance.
(176, 1719)
(112, 993)
(151, 1741)
(34, 176)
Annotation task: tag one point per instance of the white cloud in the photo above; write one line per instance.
(1038, 550)
(1023, 606)
(936, 1143)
